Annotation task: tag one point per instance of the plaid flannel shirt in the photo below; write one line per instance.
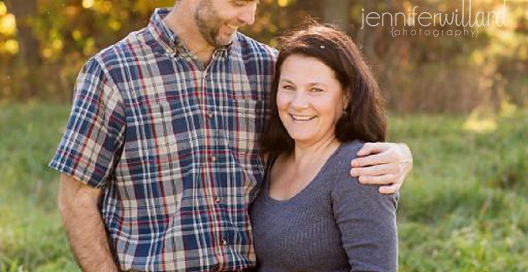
(173, 146)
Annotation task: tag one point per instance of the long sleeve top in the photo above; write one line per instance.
(333, 224)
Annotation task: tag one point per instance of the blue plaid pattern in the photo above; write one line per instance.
(173, 145)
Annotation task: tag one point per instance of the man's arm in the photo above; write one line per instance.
(385, 164)
(84, 225)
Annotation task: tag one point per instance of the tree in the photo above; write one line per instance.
(29, 45)
(337, 12)
(29, 53)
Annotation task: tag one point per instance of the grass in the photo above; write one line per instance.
(31, 238)
(463, 208)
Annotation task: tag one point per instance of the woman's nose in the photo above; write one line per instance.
(300, 100)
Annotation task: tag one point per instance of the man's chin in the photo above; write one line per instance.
(221, 42)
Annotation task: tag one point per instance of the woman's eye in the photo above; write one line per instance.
(238, 4)
(316, 90)
(287, 87)
(241, 3)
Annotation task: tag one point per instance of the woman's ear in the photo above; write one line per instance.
(346, 99)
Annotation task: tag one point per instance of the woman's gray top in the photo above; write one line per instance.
(333, 224)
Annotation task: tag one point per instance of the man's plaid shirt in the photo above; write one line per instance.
(173, 146)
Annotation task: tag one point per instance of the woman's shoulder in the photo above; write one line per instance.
(339, 163)
(345, 185)
(340, 169)
(347, 151)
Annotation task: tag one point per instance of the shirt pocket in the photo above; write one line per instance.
(156, 127)
(246, 125)
(160, 134)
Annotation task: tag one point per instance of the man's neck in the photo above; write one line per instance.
(180, 20)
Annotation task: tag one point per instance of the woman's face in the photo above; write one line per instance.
(310, 99)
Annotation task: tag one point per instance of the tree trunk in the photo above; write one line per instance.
(29, 54)
(299, 13)
(311, 7)
(337, 12)
(368, 36)
(29, 45)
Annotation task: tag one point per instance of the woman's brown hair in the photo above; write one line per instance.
(364, 116)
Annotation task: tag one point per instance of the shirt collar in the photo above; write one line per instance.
(170, 40)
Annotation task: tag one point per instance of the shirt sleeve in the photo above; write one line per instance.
(366, 220)
(95, 130)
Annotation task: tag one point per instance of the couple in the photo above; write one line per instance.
(161, 158)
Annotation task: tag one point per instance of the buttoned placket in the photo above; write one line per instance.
(209, 116)
(211, 121)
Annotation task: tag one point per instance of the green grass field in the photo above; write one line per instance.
(463, 208)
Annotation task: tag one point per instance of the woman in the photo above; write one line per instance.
(311, 215)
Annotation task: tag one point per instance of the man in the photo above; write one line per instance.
(159, 159)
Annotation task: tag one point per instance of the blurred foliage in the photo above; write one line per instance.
(449, 74)
(8, 43)
(417, 73)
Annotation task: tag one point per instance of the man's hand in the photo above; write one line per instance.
(384, 164)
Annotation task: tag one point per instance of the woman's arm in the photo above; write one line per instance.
(367, 222)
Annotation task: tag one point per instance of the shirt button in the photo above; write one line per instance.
(213, 158)
(210, 115)
(224, 242)
(218, 199)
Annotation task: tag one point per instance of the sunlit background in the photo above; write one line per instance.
(460, 103)
(45, 39)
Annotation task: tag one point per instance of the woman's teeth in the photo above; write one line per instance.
(301, 117)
